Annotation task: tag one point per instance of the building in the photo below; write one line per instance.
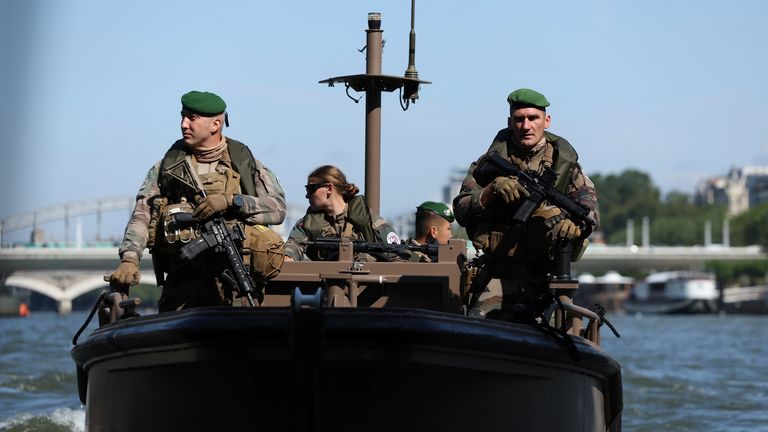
(740, 190)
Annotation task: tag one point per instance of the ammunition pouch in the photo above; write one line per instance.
(264, 251)
(495, 239)
(174, 233)
(156, 210)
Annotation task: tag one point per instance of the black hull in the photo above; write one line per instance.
(341, 370)
(686, 306)
(747, 307)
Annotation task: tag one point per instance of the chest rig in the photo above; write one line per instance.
(502, 240)
(179, 197)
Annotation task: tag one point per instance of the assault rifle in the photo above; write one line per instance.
(216, 236)
(540, 187)
(224, 241)
(382, 251)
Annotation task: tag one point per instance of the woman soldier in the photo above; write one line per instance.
(335, 211)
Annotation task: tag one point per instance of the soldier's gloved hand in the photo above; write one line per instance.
(565, 229)
(127, 272)
(507, 189)
(551, 215)
(211, 205)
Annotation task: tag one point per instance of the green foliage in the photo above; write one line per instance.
(632, 195)
(751, 227)
(674, 231)
(629, 195)
(742, 273)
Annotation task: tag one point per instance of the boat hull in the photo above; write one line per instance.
(684, 306)
(341, 370)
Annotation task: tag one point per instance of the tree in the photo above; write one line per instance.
(750, 228)
(629, 195)
(673, 221)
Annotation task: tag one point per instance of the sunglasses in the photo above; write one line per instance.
(312, 187)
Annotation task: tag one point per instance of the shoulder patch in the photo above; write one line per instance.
(392, 238)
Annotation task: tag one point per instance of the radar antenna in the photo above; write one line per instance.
(411, 89)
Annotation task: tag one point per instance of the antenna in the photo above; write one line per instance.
(411, 89)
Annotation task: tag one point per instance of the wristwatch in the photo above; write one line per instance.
(237, 202)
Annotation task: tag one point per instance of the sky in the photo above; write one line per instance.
(91, 89)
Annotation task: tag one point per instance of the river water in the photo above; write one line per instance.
(681, 373)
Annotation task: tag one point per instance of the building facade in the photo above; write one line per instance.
(740, 190)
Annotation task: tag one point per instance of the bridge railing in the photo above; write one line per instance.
(65, 212)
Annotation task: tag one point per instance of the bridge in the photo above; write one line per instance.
(64, 273)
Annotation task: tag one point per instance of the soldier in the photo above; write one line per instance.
(335, 210)
(433, 226)
(519, 263)
(236, 186)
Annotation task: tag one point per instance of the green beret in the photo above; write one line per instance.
(437, 208)
(205, 103)
(527, 98)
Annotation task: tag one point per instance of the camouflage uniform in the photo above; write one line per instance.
(525, 271)
(335, 227)
(196, 283)
(418, 256)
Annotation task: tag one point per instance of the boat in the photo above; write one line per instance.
(346, 345)
(678, 291)
(751, 300)
(609, 290)
(404, 358)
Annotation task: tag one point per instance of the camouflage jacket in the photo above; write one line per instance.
(334, 227)
(417, 256)
(576, 184)
(266, 207)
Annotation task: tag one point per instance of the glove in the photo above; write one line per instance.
(211, 205)
(550, 215)
(127, 273)
(505, 188)
(565, 229)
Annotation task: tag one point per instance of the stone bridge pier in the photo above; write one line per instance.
(63, 286)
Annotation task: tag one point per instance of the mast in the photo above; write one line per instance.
(373, 114)
(373, 83)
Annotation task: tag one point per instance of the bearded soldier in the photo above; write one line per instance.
(235, 186)
(520, 260)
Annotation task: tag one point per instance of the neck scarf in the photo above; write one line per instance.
(210, 154)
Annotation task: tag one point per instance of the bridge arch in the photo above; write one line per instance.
(94, 282)
(37, 285)
(64, 295)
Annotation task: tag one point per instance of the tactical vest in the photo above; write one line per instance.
(565, 156)
(176, 197)
(358, 215)
(243, 163)
(494, 229)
